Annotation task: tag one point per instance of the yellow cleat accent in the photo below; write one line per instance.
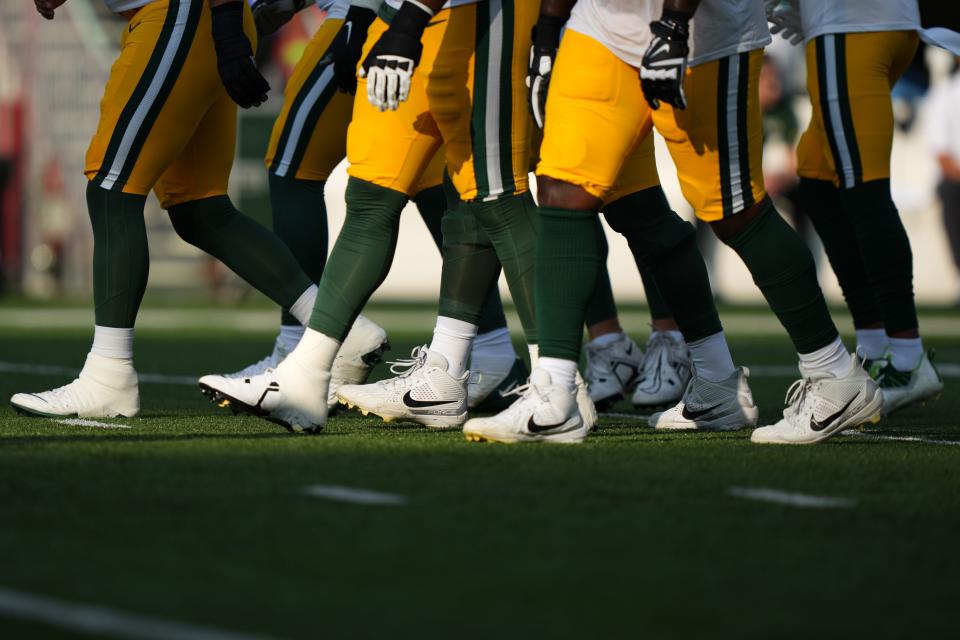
(223, 404)
(875, 418)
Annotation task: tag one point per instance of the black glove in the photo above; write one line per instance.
(347, 47)
(543, 52)
(665, 61)
(238, 72)
(390, 63)
(270, 15)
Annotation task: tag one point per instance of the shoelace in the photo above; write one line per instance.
(523, 392)
(403, 368)
(796, 395)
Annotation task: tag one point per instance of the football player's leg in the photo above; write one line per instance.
(820, 198)
(724, 114)
(580, 157)
(134, 142)
(308, 140)
(854, 73)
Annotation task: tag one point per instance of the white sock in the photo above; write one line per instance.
(494, 344)
(113, 342)
(303, 307)
(673, 334)
(905, 353)
(452, 339)
(316, 350)
(290, 335)
(833, 359)
(872, 343)
(534, 351)
(711, 357)
(607, 338)
(563, 373)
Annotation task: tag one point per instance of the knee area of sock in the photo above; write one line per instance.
(654, 237)
(558, 194)
(210, 214)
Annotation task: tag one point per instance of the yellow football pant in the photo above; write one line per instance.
(469, 72)
(166, 122)
(849, 77)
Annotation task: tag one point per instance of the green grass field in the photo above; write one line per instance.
(196, 517)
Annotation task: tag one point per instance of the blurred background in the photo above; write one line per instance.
(52, 76)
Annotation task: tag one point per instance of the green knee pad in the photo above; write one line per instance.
(783, 269)
(249, 249)
(121, 258)
(361, 256)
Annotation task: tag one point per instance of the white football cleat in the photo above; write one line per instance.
(423, 392)
(588, 410)
(712, 406)
(904, 388)
(820, 405)
(490, 382)
(667, 369)
(277, 356)
(612, 370)
(361, 351)
(105, 388)
(543, 413)
(292, 395)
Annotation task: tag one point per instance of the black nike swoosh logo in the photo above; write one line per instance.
(693, 415)
(533, 427)
(130, 28)
(820, 425)
(435, 23)
(413, 403)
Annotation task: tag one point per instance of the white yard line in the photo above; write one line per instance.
(353, 496)
(802, 500)
(879, 436)
(83, 422)
(101, 621)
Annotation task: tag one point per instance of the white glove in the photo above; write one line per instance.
(388, 81)
(784, 16)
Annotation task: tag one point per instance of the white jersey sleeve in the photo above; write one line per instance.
(820, 17)
(446, 5)
(622, 26)
(719, 28)
(722, 28)
(336, 9)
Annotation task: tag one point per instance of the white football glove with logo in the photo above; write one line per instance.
(389, 66)
(543, 52)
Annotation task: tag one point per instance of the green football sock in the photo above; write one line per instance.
(121, 258)
(568, 263)
(433, 203)
(665, 249)
(361, 256)
(300, 220)
(602, 306)
(884, 251)
(783, 269)
(510, 224)
(249, 249)
(823, 205)
(470, 267)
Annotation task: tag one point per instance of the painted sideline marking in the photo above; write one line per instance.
(803, 500)
(877, 436)
(101, 621)
(629, 416)
(83, 422)
(354, 496)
